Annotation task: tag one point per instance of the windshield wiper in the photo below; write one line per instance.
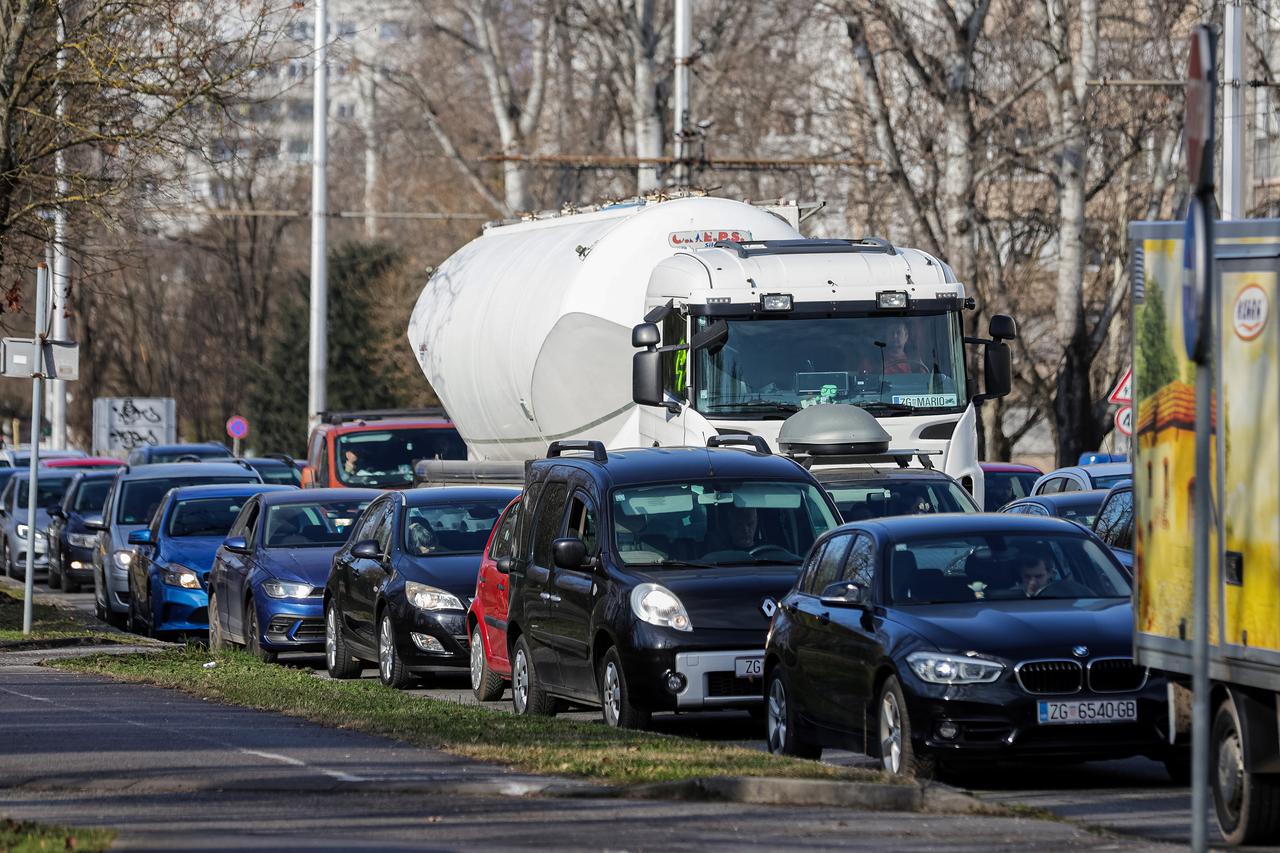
(882, 407)
(756, 406)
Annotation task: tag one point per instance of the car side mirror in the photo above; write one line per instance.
(140, 537)
(569, 553)
(95, 523)
(238, 544)
(56, 512)
(503, 565)
(997, 371)
(369, 549)
(845, 594)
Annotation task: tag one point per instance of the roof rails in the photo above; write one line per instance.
(595, 448)
(740, 439)
(381, 414)
(755, 248)
(901, 457)
(439, 472)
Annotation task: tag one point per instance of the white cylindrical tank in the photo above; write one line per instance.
(525, 332)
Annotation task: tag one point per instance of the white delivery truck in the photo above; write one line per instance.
(527, 333)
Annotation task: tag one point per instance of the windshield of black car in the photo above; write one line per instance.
(91, 495)
(454, 528)
(1081, 512)
(139, 499)
(204, 516)
(1002, 567)
(386, 457)
(49, 492)
(1000, 487)
(311, 525)
(785, 364)
(281, 475)
(864, 499)
(718, 522)
(199, 452)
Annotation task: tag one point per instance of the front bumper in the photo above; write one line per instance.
(117, 588)
(706, 661)
(178, 609)
(448, 628)
(291, 624)
(20, 557)
(77, 563)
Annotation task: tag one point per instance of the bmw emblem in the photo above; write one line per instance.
(768, 606)
(1080, 651)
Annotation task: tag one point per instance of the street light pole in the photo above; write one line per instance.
(1233, 200)
(318, 353)
(37, 405)
(683, 25)
(58, 387)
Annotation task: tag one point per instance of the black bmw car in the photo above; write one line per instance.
(957, 638)
(398, 590)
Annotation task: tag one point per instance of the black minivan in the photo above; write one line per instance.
(644, 580)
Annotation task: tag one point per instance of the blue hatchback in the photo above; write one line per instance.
(168, 577)
(266, 588)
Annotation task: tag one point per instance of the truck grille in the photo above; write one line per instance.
(727, 684)
(1116, 675)
(1047, 677)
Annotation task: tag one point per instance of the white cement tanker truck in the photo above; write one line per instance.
(528, 333)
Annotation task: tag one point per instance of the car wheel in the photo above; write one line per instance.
(217, 640)
(782, 731)
(484, 684)
(391, 669)
(527, 696)
(1247, 804)
(253, 634)
(897, 752)
(338, 660)
(615, 696)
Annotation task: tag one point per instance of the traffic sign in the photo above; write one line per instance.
(1124, 421)
(237, 426)
(1197, 241)
(1198, 109)
(1123, 392)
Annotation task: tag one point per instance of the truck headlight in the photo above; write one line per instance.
(776, 302)
(891, 299)
(937, 668)
(657, 605)
(286, 589)
(426, 597)
(180, 576)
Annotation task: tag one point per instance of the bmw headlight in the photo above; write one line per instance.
(426, 597)
(657, 605)
(937, 668)
(122, 559)
(286, 589)
(181, 576)
(82, 540)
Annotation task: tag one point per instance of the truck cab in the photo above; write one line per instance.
(377, 449)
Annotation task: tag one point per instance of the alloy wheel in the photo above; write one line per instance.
(386, 648)
(612, 694)
(477, 659)
(331, 638)
(891, 733)
(520, 681)
(777, 716)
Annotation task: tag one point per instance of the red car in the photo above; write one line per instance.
(1006, 481)
(82, 462)
(487, 617)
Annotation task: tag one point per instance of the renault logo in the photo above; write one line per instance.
(768, 606)
(1080, 651)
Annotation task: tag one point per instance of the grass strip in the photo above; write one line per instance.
(531, 744)
(28, 837)
(47, 622)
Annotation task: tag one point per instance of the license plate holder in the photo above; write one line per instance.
(749, 667)
(1086, 712)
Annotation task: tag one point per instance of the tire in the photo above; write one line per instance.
(1247, 804)
(253, 634)
(338, 660)
(134, 623)
(897, 752)
(615, 695)
(527, 696)
(484, 684)
(391, 669)
(782, 732)
(217, 640)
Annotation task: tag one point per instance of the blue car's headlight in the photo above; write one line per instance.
(937, 668)
(180, 576)
(286, 589)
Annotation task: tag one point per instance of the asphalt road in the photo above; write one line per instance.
(172, 772)
(1133, 796)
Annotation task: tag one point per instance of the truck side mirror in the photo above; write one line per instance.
(308, 476)
(997, 370)
(645, 335)
(1002, 328)
(646, 378)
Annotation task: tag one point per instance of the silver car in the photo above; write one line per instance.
(18, 535)
(135, 495)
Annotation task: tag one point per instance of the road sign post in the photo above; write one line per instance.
(237, 428)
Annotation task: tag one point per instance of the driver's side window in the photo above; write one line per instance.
(827, 571)
(582, 523)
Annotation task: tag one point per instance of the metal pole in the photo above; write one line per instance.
(1233, 200)
(58, 387)
(683, 25)
(37, 403)
(318, 354)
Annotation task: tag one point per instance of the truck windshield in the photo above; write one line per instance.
(386, 457)
(889, 365)
(718, 522)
